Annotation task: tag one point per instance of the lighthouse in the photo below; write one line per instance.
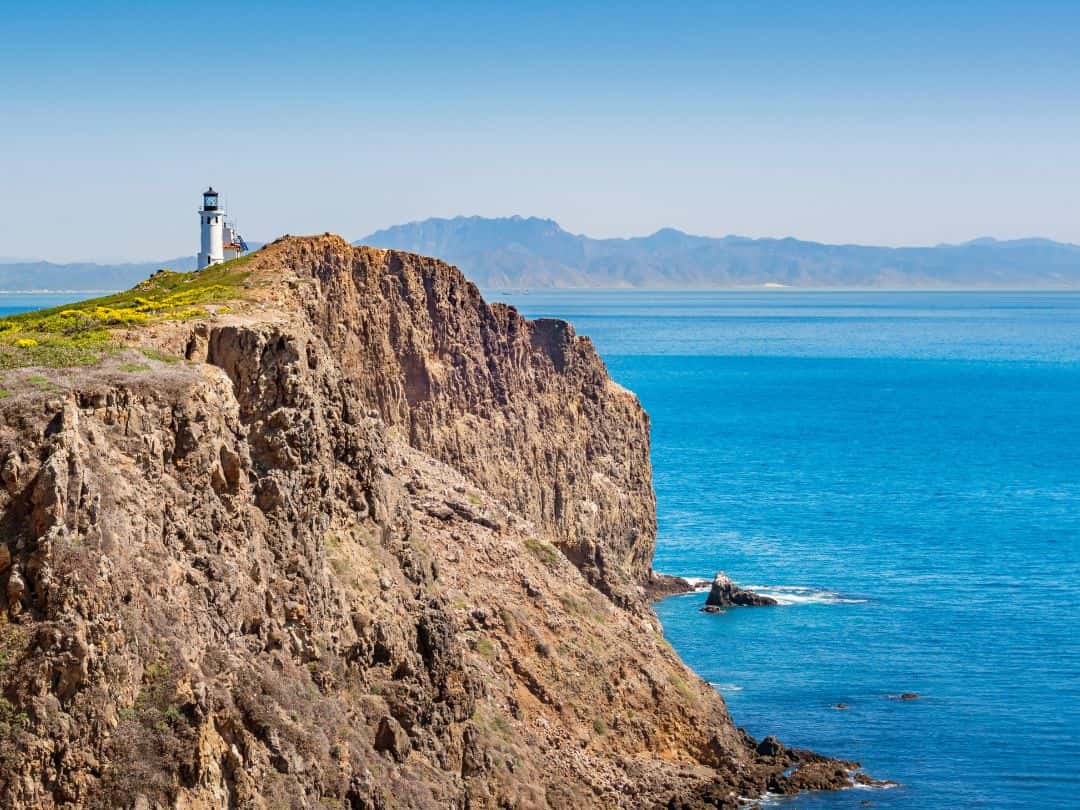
(220, 240)
(212, 227)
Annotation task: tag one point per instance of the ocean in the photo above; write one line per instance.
(901, 471)
(12, 303)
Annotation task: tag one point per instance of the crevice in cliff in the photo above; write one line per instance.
(553, 338)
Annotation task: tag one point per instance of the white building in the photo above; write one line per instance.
(220, 241)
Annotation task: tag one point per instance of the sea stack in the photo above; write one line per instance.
(725, 593)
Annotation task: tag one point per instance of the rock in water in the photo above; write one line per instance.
(725, 593)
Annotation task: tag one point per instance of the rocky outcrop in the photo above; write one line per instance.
(662, 586)
(725, 593)
(374, 544)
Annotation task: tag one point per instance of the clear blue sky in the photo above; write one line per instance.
(903, 123)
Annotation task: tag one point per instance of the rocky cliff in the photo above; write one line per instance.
(371, 543)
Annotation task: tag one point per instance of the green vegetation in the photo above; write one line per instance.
(337, 554)
(490, 720)
(153, 738)
(11, 719)
(54, 351)
(573, 605)
(133, 367)
(681, 686)
(509, 621)
(599, 726)
(499, 724)
(161, 357)
(485, 648)
(81, 334)
(545, 552)
(13, 643)
(41, 383)
(663, 642)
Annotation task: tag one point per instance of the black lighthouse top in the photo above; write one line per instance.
(209, 199)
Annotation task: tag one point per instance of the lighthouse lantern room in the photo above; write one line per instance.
(220, 241)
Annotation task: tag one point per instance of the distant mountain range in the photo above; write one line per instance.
(31, 276)
(519, 252)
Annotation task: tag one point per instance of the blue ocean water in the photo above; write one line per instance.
(903, 471)
(12, 303)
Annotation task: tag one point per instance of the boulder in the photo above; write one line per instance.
(771, 747)
(391, 738)
(16, 589)
(725, 593)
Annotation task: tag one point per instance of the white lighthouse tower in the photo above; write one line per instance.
(212, 227)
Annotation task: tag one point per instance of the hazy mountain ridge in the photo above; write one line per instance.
(533, 252)
(28, 276)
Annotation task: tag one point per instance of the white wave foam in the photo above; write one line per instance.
(767, 799)
(882, 786)
(784, 594)
(699, 583)
(802, 595)
(725, 687)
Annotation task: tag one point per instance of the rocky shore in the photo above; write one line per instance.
(351, 538)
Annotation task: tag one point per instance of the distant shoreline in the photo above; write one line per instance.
(58, 292)
(778, 289)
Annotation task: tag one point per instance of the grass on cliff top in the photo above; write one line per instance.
(82, 334)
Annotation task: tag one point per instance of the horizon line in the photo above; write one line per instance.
(518, 217)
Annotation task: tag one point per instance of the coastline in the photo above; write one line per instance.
(474, 623)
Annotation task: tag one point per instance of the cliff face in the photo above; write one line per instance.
(374, 544)
(525, 409)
